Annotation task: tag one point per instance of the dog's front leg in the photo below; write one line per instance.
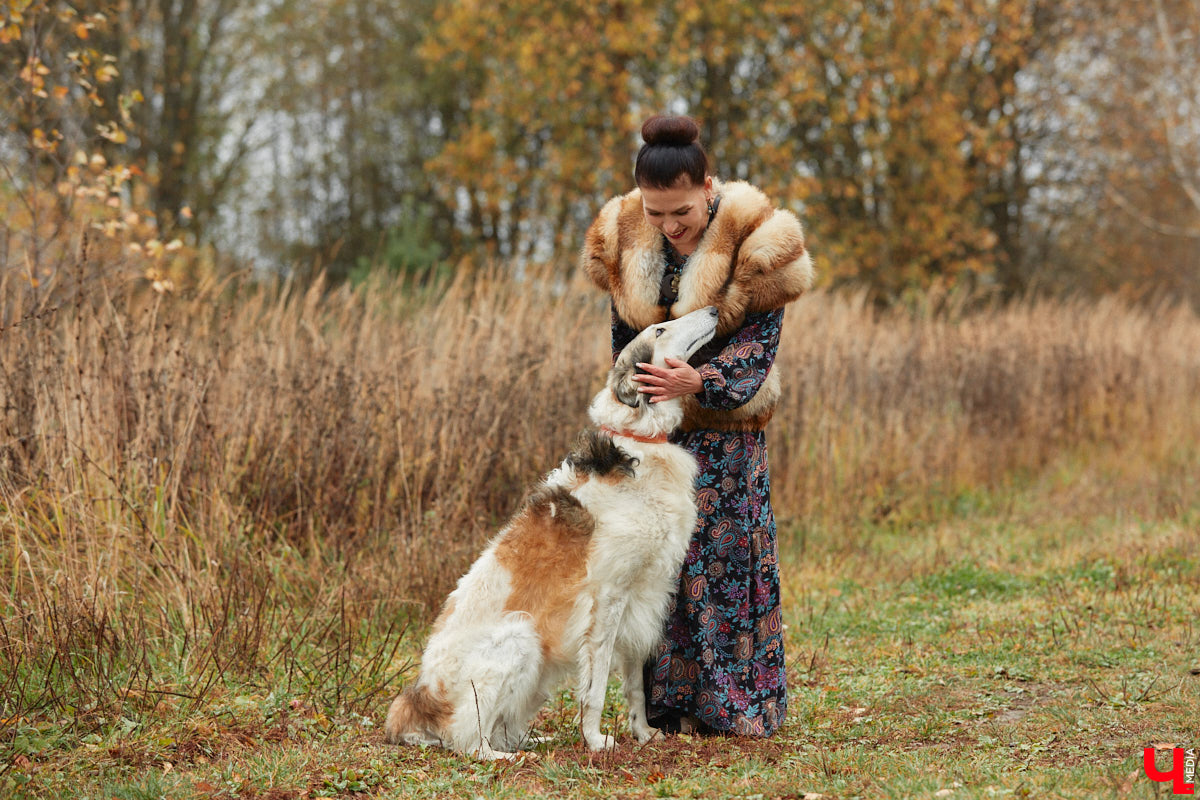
(635, 698)
(596, 664)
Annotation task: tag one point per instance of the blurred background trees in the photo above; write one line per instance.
(999, 145)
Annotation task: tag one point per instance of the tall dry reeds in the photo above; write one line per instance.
(881, 408)
(247, 480)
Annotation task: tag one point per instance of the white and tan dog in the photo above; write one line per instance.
(577, 583)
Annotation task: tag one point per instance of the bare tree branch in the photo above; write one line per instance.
(1149, 222)
(1171, 103)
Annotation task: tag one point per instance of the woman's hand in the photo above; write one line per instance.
(665, 383)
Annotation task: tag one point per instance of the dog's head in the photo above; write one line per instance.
(679, 338)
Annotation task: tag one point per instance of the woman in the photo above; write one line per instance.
(680, 241)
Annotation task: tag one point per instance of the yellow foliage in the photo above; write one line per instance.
(896, 140)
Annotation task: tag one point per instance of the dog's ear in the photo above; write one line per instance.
(626, 391)
(623, 386)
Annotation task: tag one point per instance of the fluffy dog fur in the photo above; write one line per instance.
(577, 583)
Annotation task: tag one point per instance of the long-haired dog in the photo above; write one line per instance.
(578, 582)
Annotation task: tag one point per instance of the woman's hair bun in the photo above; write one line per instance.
(672, 152)
(670, 130)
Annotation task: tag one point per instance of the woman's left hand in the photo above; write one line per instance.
(665, 383)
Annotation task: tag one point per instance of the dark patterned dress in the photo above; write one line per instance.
(721, 660)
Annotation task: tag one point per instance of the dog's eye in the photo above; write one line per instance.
(659, 332)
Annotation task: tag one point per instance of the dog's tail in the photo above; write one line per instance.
(417, 714)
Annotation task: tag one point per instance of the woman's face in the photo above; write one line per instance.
(680, 212)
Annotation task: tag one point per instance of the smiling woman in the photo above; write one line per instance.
(672, 173)
(680, 241)
(681, 212)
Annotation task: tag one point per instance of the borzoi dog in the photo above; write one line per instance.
(577, 582)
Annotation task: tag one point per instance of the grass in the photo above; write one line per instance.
(1009, 649)
(1029, 644)
(224, 515)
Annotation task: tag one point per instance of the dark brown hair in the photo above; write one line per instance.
(672, 150)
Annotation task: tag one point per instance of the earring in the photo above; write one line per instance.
(709, 201)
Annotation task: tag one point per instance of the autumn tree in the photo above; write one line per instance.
(995, 144)
(144, 83)
(908, 137)
(55, 129)
(354, 114)
(1122, 210)
(185, 60)
(893, 125)
(540, 124)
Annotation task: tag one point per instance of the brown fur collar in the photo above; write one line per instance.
(751, 259)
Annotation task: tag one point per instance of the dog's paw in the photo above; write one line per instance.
(488, 754)
(601, 742)
(648, 734)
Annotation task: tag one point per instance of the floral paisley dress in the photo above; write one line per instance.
(721, 660)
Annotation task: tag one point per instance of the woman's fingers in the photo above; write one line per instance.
(665, 383)
(653, 380)
(650, 369)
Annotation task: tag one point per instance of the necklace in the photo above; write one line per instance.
(668, 290)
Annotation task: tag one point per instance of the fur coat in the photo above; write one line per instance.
(751, 259)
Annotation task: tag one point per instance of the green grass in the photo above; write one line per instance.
(1025, 641)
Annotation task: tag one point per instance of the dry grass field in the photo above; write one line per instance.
(226, 513)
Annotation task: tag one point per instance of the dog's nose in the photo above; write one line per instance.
(712, 311)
